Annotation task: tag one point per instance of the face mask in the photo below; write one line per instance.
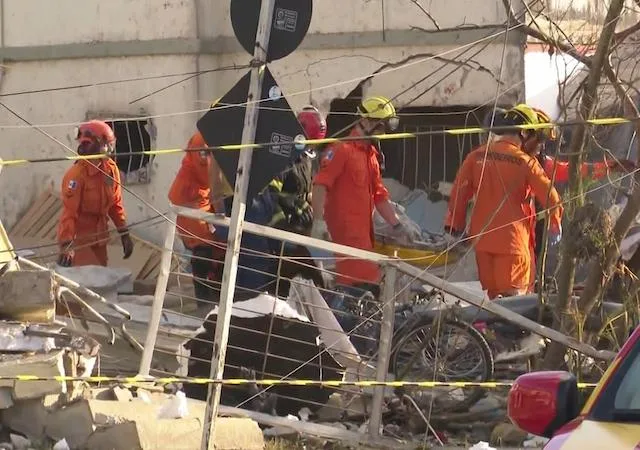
(89, 148)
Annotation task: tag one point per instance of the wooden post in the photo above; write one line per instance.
(384, 351)
(238, 209)
(158, 298)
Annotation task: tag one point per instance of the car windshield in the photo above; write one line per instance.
(620, 399)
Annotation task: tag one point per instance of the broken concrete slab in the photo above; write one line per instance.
(231, 433)
(106, 281)
(73, 422)
(123, 436)
(27, 417)
(121, 394)
(42, 365)
(28, 296)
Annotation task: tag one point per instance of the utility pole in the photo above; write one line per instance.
(223, 320)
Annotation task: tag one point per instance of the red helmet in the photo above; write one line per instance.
(96, 132)
(315, 126)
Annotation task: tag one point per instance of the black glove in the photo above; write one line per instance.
(127, 244)
(65, 258)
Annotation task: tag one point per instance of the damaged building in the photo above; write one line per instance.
(443, 67)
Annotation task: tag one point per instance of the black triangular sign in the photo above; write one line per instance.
(222, 125)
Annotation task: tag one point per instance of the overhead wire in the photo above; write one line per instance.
(603, 121)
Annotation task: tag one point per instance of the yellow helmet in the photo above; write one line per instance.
(379, 108)
(523, 114)
(551, 133)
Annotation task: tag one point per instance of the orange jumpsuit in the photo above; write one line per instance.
(192, 188)
(89, 198)
(351, 174)
(501, 219)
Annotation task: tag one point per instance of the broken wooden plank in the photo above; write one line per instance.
(34, 211)
(45, 213)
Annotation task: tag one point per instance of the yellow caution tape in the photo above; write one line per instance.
(382, 137)
(240, 381)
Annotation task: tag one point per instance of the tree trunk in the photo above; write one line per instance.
(566, 270)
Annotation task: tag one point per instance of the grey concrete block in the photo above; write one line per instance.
(27, 417)
(123, 436)
(73, 422)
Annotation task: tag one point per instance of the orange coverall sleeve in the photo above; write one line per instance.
(544, 191)
(461, 193)
(380, 191)
(116, 212)
(331, 166)
(72, 186)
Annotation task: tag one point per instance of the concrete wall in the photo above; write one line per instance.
(64, 43)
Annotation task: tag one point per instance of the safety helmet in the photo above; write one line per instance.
(550, 134)
(313, 123)
(96, 132)
(379, 108)
(523, 114)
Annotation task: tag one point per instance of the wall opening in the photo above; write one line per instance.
(134, 136)
(430, 159)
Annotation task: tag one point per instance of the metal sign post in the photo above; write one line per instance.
(223, 320)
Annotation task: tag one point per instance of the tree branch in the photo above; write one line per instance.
(565, 47)
(566, 269)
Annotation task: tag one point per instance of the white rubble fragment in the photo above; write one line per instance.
(482, 445)
(535, 442)
(174, 408)
(61, 445)
(263, 305)
(19, 442)
(107, 281)
(304, 414)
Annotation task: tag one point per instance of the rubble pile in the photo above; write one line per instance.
(33, 344)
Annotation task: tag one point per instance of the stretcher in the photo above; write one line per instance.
(422, 254)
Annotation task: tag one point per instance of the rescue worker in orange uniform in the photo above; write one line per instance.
(91, 194)
(503, 174)
(192, 188)
(595, 170)
(348, 187)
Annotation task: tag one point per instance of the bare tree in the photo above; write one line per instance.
(569, 316)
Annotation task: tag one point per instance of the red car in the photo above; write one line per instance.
(547, 404)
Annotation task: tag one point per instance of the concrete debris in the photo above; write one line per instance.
(19, 442)
(508, 435)
(535, 442)
(61, 445)
(106, 281)
(134, 425)
(174, 408)
(481, 446)
(27, 295)
(121, 394)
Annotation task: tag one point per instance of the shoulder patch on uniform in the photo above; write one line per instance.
(328, 156)
(203, 154)
(72, 185)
